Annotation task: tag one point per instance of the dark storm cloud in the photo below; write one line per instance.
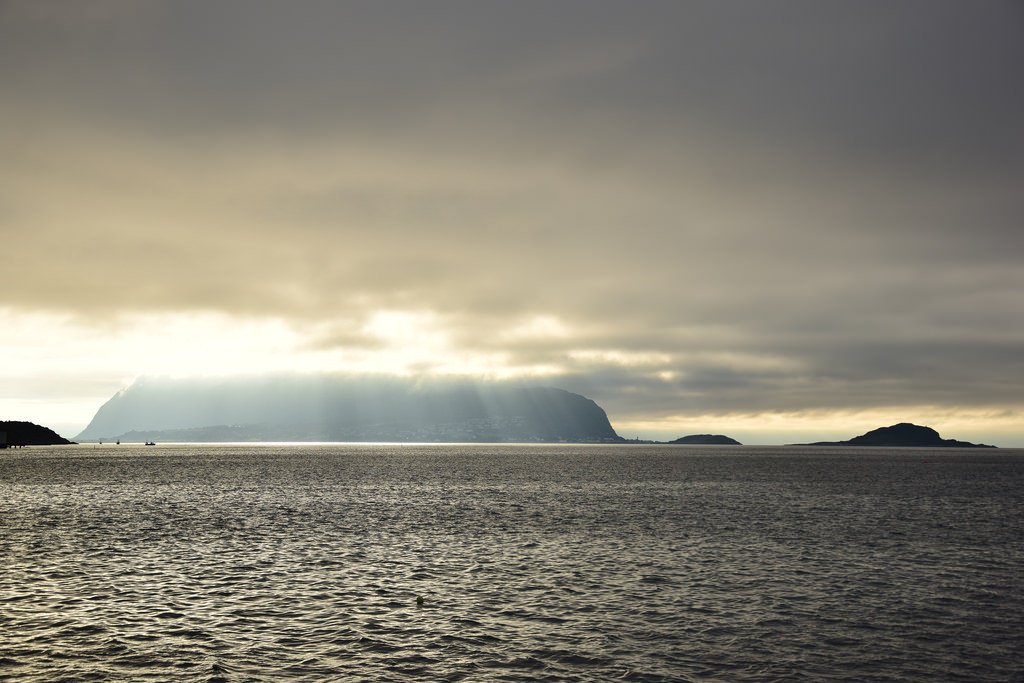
(783, 205)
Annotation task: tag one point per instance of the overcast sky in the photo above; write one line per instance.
(775, 220)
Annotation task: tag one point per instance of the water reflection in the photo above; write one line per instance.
(575, 563)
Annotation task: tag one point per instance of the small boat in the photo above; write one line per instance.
(150, 443)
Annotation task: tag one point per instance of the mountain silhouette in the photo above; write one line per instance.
(335, 408)
(903, 434)
(707, 440)
(15, 433)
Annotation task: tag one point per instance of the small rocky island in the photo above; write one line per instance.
(15, 434)
(902, 435)
(706, 440)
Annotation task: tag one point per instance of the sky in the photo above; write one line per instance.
(782, 221)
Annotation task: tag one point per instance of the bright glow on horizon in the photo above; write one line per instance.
(73, 365)
(209, 344)
(623, 358)
(59, 370)
(173, 345)
(538, 327)
(999, 427)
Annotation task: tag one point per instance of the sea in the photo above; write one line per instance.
(441, 562)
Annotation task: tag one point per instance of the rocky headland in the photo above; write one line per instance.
(325, 408)
(14, 434)
(902, 435)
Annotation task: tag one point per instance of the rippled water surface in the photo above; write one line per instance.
(533, 563)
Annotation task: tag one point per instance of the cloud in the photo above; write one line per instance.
(676, 207)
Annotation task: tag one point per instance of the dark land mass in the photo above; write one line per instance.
(707, 440)
(903, 434)
(326, 408)
(14, 434)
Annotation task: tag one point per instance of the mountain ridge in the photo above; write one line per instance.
(329, 408)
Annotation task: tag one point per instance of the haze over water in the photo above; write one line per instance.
(534, 562)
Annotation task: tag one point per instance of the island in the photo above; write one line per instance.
(706, 440)
(902, 435)
(346, 409)
(16, 434)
